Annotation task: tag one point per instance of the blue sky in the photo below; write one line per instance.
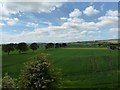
(58, 21)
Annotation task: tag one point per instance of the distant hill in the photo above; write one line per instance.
(110, 40)
(99, 41)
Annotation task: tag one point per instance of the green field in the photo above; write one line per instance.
(80, 67)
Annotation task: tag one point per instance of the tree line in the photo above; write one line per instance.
(56, 45)
(21, 47)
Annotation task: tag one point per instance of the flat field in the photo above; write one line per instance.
(80, 67)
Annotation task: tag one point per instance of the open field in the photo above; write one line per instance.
(80, 67)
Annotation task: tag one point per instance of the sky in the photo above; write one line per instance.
(58, 21)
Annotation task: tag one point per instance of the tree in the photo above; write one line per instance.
(58, 45)
(8, 48)
(34, 46)
(100, 44)
(113, 47)
(49, 45)
(15, 46)
(64, 44)
(38, 73)
(22, 47)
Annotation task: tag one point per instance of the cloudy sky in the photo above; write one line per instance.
(58, 21)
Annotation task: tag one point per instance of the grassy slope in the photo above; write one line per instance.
(77, 67)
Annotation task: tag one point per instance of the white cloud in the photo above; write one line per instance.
(110, 18)
(75, 20)
(84, 32)
(72, 29)
(75, 13)
(4, 19)
(90, 11)
(10, 21)
(49, 34)
(16, 19)
(2, 24)
(80, 24)
(112, 13)
(34, 25)
(63, 18)
(114, 30)
(15, 7)
(48, 23)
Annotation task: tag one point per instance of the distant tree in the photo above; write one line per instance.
(34, 46)
(22, 47)
(112, 47)
(63, 44)
(58, 45)
(46, 47)
(49, 45)
(8, 48)
(15, 46)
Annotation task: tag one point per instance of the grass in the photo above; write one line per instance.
(80, 67)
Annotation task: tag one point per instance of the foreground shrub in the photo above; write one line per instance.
(8, 82)
(38, 73)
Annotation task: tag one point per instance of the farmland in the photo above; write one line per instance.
(80, 67)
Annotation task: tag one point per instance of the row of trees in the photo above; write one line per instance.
(56, 45)
(21, 47)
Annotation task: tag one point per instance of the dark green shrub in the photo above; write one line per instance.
(38, 73)
(8, 83)
(112, 47)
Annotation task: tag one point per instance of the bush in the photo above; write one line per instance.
(8, 82)
(112, 47)
(38, 73)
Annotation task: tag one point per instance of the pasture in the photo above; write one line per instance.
(80, 67)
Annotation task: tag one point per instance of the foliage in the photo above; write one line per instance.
(34, 46)
(64, 44)
(49, 45)
(8, 48)
(112, 47)
(38, 73)
(8, 82)
(22, 47)
(57, 45)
